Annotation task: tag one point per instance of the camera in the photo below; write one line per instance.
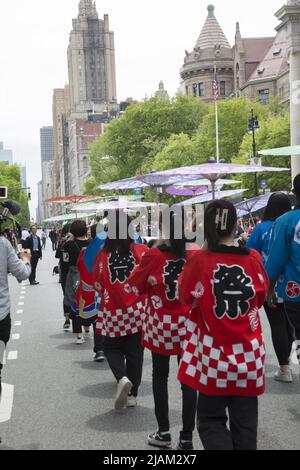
(8, 210)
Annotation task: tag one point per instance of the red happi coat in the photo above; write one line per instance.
(84, 305)
(120, 312)
(224, 351)
(164, 326)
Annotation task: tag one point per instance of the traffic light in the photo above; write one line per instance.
(29, 195)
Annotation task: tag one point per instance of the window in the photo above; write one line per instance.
(264, 96)
(222, 88)
(195, 89)
(200, 89)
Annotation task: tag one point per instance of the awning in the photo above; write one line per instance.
(282, 151)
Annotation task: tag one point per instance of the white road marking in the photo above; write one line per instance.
(6, 404)
(16, 336)
(19, 312)
(12, 355)
(4, 358)
(21, 304)
(22, 298)
(18, 323)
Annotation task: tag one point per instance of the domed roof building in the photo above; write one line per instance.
(212, 50)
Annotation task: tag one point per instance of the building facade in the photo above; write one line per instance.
(47, 159)
(91, 62)
(6, 156)
(257, 68)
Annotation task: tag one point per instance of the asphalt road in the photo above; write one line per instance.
(56, 397)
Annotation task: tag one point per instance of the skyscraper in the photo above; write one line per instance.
(91, 62)
(47, 144)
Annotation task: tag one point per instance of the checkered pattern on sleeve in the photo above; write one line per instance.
(237, 369)
(121, 322)
(164, 334)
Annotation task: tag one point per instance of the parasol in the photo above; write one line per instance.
(252, 205)
(209, 197)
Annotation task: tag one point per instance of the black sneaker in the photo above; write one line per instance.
(67, 325)
(99, 357)
(160, 440)
(185, 445)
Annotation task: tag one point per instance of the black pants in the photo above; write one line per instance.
(125, 356)
(212, 422)
(161, 370)
(282, 333)
(293, 313)
(63, 281)
(54, 245)
(5, 328)
(34, 261)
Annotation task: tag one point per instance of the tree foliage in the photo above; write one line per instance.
(132, 142)
(10, 176)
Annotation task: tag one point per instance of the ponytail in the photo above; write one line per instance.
(220, 219)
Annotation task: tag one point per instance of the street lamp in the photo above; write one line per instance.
(253, 127)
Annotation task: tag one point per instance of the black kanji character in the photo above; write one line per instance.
(120, 266)
(171, 274)
(233, 290)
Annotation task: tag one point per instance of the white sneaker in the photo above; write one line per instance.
(124, 388)
(131, 402)
(285, 377)
(80, 340)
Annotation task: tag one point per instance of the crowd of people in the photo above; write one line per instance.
(199, 304)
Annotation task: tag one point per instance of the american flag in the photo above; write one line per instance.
(216, 87)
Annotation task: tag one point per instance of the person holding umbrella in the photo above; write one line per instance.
(282, 331)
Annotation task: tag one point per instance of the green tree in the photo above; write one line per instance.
(10, 176)
(178, 151)
(274, 132)
(131, 142)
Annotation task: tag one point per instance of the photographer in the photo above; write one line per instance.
(19, 268)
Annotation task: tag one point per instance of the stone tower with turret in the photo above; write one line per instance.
(91, 62)
(212, 49)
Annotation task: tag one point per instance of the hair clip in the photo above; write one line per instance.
(222, 219)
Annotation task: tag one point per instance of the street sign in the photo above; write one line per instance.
(264, 184)
(3, 192)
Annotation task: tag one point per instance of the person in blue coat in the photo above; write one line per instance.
(284, 263)
(282, 331)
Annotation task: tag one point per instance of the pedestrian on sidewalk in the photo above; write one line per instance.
(120, 313)
(53, 235)
(224, 351)
(44, 239)
(283, 264)
(63, 270)
(71, 253)
(282, 330)
(164, 326)
(33, 243)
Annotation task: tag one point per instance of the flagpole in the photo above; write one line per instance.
(217, 120)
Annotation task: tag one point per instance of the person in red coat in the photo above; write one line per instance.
(224, 351)
(120, 314)
(164, 329)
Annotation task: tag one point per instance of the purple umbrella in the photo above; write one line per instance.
(212, 171)
(190, 191)
(252, 205)
(209, 197)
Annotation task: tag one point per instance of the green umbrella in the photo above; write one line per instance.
(282, 152)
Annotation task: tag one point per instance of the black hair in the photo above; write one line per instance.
(296, 186)
(65, 230)
(78, 228)
(279, 204)
(220, 219)
(94, 231)
(118, 242)
(175, 221)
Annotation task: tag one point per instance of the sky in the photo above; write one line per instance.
(150, 39)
